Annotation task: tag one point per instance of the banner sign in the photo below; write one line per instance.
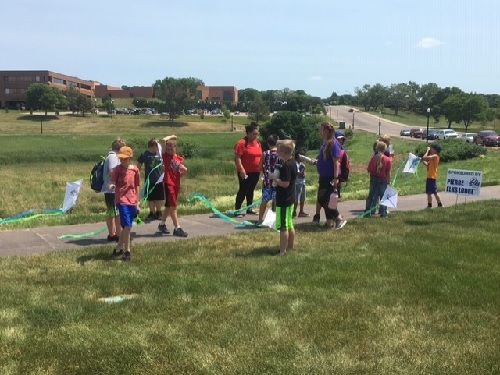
(463, 182)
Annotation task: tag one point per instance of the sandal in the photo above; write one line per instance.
(303, 214)
(251, 212)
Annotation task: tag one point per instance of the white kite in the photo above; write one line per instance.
(390, 197)
(72, 191)
(270, 219)
(411, 164)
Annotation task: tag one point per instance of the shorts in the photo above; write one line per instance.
(109, 199)
(300, 193)
(127, 214)
(284, 217)
(431, 186)
(156, 193)
(268, 194)
(171, 194)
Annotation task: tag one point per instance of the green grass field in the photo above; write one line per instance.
(417, 296)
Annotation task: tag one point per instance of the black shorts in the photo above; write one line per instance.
(109, 199)
(157, 194)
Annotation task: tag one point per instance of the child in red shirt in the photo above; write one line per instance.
(125, 179)
(174, 169)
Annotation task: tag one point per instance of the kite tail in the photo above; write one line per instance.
(210, 205)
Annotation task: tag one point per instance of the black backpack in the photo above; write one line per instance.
(97, 176)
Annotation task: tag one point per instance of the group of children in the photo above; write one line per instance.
(163, 170)
(283, 184)
(379, 168)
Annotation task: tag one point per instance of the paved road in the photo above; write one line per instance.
(365, 121)
(45, 239)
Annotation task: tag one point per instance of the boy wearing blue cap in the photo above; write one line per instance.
(431, 160)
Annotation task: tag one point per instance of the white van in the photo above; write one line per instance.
(446, 133)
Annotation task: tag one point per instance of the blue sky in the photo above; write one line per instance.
(319, 46)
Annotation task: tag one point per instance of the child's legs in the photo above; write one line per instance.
(267, 195)
(111, 213)
(127, 214)
(171, 194)
(291, 239)
(431, 189)
(284, 223)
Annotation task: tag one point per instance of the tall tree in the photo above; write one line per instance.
(177, 93)
(43, 97)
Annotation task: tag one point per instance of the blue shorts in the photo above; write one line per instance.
(127, 214)
(268, 194)
(284, 218)
(431, 186)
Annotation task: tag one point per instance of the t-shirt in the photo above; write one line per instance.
(385, 169)
(325, 167)
(172, 165)
(288, 172)
(250, 154)
(127, 180)
(151, 162)
(301, 169)
(110, 163)
(432, 167)
(269, 161)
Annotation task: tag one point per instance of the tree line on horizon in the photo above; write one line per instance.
(176, 96)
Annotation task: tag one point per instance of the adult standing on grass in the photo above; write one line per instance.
(112, 218)
(247, 158)
(154, 192)
(328, 166)
(379, 168)
(285, 195)
(125, 179)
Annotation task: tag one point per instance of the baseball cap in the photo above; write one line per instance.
(436, 147)
(125, 152)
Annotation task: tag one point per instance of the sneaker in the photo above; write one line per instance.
(440, 205)
(114, 238)
(252, 212)
(163, 229)
(158, 215)
(303, 214)
(150, 217)
(316, 218)
(126, 256)
(294, 214)
(179, 232)
(117, 253)
(340, 223)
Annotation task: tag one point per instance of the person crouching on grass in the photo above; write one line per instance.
(174, 168)
(125, 179)
(285, 195)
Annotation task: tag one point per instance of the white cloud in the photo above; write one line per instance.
(429, 43)
(316, 78)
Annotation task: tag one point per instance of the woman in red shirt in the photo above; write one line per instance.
(247, 158)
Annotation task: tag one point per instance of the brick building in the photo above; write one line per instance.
(14, 86)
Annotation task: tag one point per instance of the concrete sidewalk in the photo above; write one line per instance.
(45, 239)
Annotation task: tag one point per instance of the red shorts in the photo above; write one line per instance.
(171, 194)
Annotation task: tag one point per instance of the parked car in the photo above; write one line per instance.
(416, 132)
(404, 132)
(446, 133)
(468, 137)
(487, 138)
(431, 135)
